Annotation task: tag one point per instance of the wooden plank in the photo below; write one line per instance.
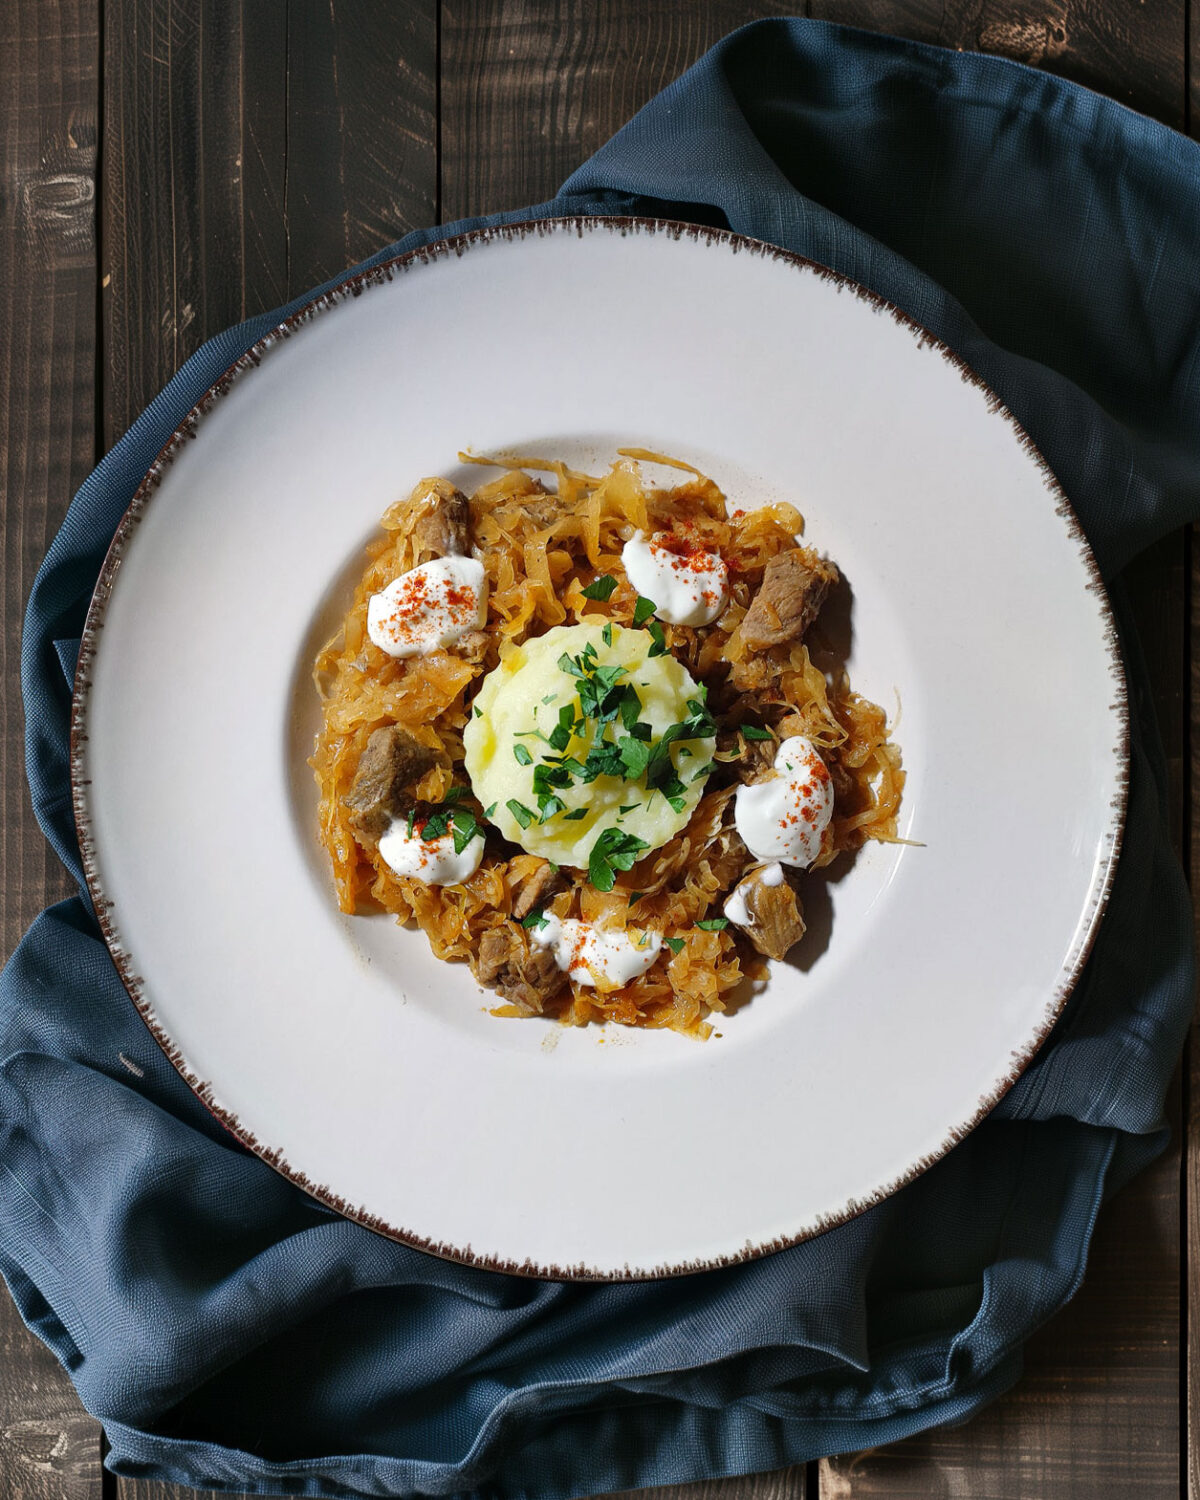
(251, 151)
(49, 1447)
(783, 1484)
(1122, 48)
(529, 91)
(527, 95)
(1191, 1177)
(362, 131)
(1097, 1413)
(192, 227)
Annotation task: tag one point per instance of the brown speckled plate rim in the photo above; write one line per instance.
(353, 285)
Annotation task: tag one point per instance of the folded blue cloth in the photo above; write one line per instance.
(228, 1331)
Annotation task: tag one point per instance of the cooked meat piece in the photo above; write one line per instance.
(473, 646)
(776, 923)
(755, 759)
(793, 589)
(523, 973)
(844, 785)
(390, 766)
(444, 527)
(536, 889)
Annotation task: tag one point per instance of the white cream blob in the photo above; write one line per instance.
(735, 907)
(737, 910)
(686, 588)
(783, 817)
(590, 953)
(435, 862)
(428, 607)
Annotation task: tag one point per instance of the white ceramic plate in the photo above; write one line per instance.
(372, 1074)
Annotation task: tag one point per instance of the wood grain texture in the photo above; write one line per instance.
(192, 229)
(528, 94)
(783, 1484)
(1095, 1416)
(1097, 1413)
(1191, 1178)
(362, 135)
(251, 151)
(1128, 49)
(49, 1447)
(532, 87)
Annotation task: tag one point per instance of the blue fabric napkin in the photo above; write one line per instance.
(230, 1332)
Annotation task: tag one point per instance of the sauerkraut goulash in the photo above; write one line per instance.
(575, 733)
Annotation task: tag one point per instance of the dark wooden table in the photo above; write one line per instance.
(171, 166)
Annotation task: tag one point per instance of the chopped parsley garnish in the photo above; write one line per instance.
(536, 918)
(601, 588)
(435, 826)
(642, 610)
(676, 945)
(477, 711)
(613, 851)
(606, 635)
(713, 924)
(603, 759)
(488, 811)
(749, 732)
(630, 707)
(549, 698)
(635, 757)
(635, 896)
(465, 828)
(560, 735)
(613, 740)
(520, 812)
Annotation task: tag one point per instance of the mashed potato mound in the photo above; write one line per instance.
(518, 707)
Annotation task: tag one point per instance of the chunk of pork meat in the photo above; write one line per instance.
(535, 889)
(776, 922)
(789, 598)
(390, 766)
(526, 975)
(444, 526)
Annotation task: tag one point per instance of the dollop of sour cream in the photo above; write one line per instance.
(428, 607)
(688, 586)
(433, 861)
(783, 818)
(591, 954)
(735, 908)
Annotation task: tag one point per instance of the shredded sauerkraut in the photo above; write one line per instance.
(541, 547)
